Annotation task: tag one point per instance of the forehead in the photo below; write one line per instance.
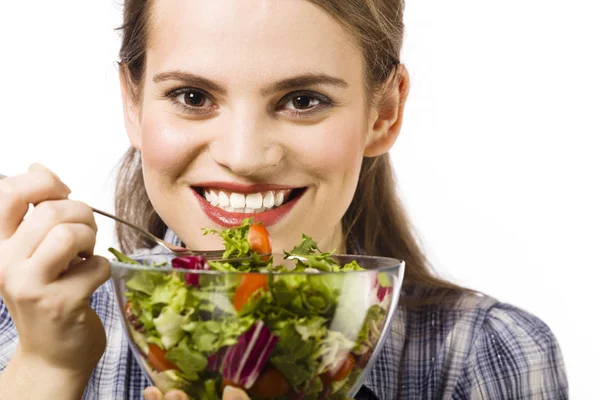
(253, 38)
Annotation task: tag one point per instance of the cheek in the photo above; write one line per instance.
(165, 148)
(335, 148)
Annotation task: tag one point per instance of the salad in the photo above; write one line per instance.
(307, 334)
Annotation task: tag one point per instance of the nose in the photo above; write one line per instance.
(247, 146)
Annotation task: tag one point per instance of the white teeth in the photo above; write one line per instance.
(254, 200)
(279, 198)
(247, 204)
(214, 198)
(269, 200)
(223, 199)
(237, 200)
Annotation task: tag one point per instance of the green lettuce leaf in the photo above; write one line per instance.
(293, 356)
(190, 362)
(235, 239)
(168, 324)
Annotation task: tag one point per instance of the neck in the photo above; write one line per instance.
(334, 241)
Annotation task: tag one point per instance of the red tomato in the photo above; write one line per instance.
(248, 286)
(270, 383)
(340, 372)
(259, 239)
(158, 360)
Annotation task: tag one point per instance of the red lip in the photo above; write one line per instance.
(240, 188)
(229, 220)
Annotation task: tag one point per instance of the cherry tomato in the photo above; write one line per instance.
(270, 383)
(158, 360)
(339, 372)
(259, 239)
(248, 286)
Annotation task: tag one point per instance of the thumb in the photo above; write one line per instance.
(233, 393)
(37, 167)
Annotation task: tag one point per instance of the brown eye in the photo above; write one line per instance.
(192, 99)
(304, 102)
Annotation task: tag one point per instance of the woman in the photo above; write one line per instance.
(224, 100)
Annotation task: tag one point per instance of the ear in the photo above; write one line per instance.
(130, 109)
(386, 118)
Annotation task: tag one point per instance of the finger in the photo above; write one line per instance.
(176, 395)
(84, 278)
(62, 244)
(233, 393)
(37, 167)
(17, 192)
(152, 393)
(43, 218)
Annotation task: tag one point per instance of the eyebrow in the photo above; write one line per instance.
(309, 79)
(190, 79)
(304, 80)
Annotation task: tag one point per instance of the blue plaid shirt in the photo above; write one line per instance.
(477, 349)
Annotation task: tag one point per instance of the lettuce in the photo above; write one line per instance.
(168, 324)
(190, 362)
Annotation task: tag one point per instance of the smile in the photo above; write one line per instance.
(228, 204)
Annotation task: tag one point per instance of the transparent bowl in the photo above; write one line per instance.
(278, 335)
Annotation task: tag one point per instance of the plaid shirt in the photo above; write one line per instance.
(478, 349)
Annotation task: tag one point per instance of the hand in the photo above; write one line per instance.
(47, 276)
(230, 393)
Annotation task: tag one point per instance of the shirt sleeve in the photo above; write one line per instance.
(514, 356)
(8, 336)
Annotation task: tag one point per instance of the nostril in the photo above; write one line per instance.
(247, 157)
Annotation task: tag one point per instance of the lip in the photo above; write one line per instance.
(241, 188)
(229, 220)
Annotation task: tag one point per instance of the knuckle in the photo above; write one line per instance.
(86, 212)
(65, 235)
(50, 211)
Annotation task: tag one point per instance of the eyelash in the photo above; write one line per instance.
(174, 94)
(324, 102)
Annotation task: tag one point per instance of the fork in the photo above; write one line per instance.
(211, 254)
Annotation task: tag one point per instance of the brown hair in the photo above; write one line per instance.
(375, 220)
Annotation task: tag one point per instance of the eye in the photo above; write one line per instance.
(192, 98)
(304, 102)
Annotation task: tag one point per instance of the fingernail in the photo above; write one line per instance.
(233, 393)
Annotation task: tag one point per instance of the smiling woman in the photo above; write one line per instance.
(232, 125)
(284, 111)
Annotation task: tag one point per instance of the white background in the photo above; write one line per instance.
(498, 161)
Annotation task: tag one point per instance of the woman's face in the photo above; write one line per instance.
(251, 109)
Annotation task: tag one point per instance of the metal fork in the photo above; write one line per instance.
(212, 254)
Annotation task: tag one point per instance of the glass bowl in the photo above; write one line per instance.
(278, 335)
